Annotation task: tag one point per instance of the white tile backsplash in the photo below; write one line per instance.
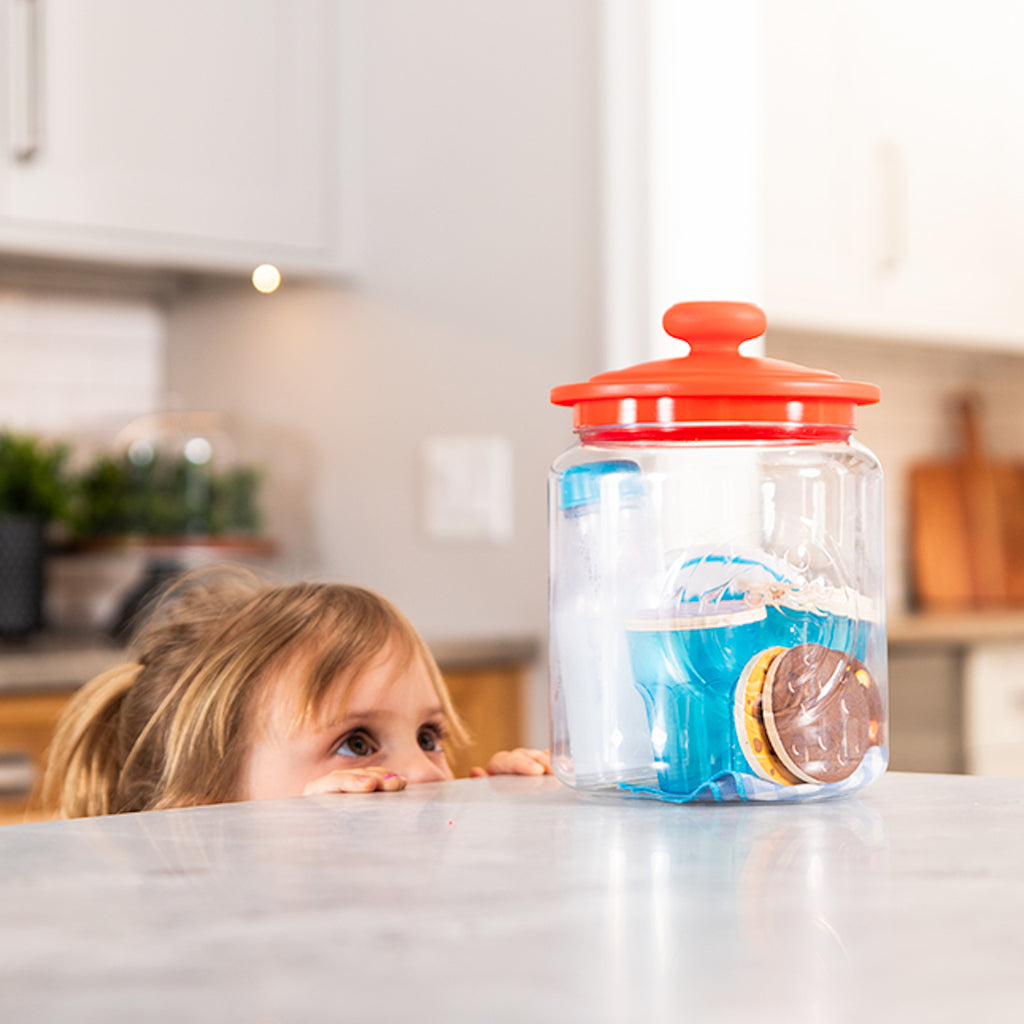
(78, 366)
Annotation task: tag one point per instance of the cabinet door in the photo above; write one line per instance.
(490, 701)
(192, 132)
(811, 250)
(893, 147)
(994, 709)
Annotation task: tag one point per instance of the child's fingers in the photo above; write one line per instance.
(531, 762)
(356, 780)
(521, 761)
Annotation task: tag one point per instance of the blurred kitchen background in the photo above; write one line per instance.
(471, 202)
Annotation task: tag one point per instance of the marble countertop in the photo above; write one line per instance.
(48, 661)
(511, 899)
(956, 629)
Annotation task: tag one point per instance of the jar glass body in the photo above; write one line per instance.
(717, 626)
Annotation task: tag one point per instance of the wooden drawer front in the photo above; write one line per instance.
(27, 722)
(490, 701)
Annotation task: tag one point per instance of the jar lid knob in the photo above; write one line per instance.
(714, 325)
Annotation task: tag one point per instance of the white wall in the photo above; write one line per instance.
(476, 291)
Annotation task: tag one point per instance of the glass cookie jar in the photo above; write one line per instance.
(716, 586)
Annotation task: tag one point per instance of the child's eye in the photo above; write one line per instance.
(356, 744)
(430, 738)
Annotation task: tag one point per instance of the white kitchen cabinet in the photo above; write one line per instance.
(193, 134)
(893, 147)
(994, 709)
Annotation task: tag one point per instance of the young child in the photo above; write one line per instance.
(242, 690)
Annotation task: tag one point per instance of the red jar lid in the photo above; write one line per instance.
(714, 390)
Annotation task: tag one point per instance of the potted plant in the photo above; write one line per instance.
(165, 498)
(172, 503)
(34, 492)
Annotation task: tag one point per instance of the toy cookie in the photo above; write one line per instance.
(749, 720)
(822, 711)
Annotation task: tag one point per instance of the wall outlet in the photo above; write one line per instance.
(468, 484)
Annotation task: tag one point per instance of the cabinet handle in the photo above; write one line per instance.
(893, 208)
(25, 70)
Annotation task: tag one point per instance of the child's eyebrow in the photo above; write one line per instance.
(376, 714)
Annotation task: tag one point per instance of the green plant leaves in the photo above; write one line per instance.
(164, 496)
(33, 479)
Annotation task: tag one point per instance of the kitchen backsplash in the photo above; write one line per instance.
(85, 366)
(78, 365)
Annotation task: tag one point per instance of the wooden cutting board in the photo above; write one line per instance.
(967, 526)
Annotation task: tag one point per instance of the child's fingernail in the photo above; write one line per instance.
(391, 775)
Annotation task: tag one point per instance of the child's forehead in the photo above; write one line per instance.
(328, 693)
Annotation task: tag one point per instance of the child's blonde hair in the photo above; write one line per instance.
(172, 727)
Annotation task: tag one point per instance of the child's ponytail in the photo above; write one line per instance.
(84, 761)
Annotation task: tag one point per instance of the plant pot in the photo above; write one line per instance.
(22, 563)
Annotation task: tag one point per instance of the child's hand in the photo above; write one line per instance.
(520, 761)
(355, 780)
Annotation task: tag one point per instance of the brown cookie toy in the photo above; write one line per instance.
(822, 711)
(749, 720)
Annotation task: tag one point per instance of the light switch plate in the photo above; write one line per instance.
(468, 488)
